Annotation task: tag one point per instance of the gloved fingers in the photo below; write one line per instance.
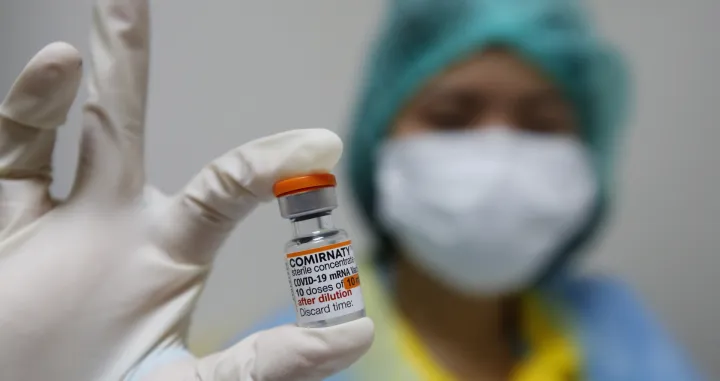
(231, 186)
(286, 353)
(111, 152)
(35, 106)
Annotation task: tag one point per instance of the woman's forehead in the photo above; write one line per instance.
(494, 70)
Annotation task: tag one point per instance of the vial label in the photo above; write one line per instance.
(325, 282)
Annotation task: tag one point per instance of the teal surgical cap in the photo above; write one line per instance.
(420, 38)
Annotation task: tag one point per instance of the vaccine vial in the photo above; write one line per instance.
(319, 259)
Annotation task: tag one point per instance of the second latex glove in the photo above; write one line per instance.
(95, 286)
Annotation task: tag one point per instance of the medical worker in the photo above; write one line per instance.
(100, 286)
(481, 155)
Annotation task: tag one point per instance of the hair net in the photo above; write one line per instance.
(420, 38)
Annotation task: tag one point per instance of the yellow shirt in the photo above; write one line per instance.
(552, 355)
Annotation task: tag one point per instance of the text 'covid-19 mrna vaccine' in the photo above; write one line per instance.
(319, 258)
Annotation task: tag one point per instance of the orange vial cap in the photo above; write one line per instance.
(303, 183)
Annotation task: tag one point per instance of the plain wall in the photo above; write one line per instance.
(225, 72)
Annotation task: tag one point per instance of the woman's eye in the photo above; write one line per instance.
(551, 124)
(547, 117)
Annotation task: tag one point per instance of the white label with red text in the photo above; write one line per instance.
(325, 283)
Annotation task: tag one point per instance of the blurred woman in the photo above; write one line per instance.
(481, 155)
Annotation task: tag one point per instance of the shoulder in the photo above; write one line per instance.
(619, 334)
(609, 303)
(599, 295)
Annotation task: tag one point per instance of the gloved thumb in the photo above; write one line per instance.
(35, 106)
(285, 353)
(43, 93)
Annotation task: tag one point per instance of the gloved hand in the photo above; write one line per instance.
(99, 285)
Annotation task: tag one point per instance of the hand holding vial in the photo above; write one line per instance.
(100, 286)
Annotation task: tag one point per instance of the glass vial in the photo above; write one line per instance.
(319, 259)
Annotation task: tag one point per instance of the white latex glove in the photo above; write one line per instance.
(95, 286)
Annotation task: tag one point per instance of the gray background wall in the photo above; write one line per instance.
(224, 72)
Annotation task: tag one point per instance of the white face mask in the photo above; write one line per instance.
(484, 211)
